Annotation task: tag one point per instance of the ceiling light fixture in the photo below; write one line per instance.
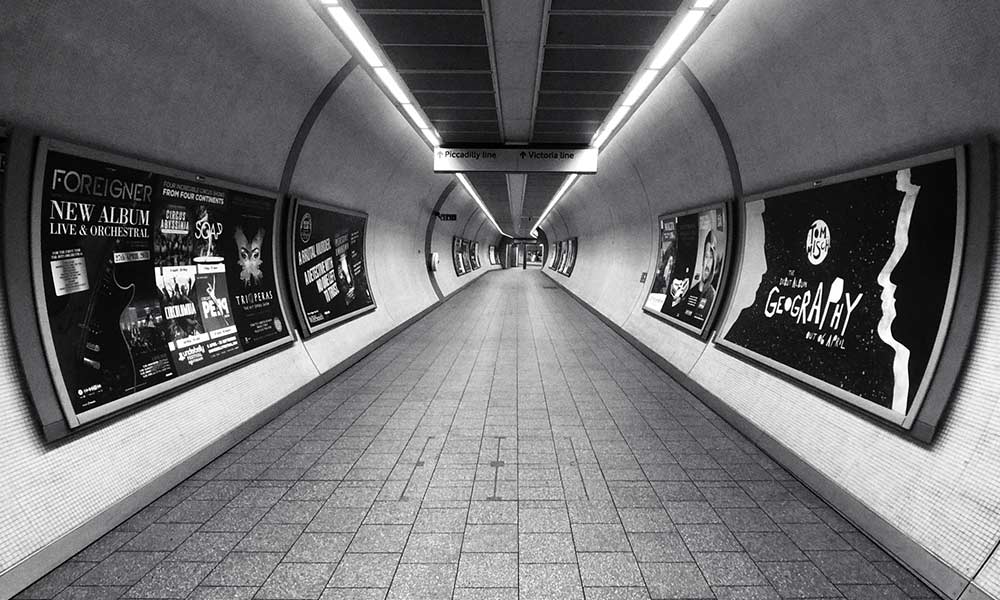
(475, 196)
(390, 82)
(670, 43)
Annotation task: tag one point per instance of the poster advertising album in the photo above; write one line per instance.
(146, 278)
(571, 248)
(690, 263)
(493, 255)
(474, 255)
(328, 256)
(460, 256)
(848, 284)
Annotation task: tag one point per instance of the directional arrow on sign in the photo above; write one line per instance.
(523, 154)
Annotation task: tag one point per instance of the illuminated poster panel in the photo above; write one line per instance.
(493, 255)
(561, 249)
(570, 257)
(533, 254)
(691, 260)
(553, 256)
(328, 263)
(848, 285)
(146, 278)
(474, 255)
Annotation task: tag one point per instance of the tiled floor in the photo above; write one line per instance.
(509, 445)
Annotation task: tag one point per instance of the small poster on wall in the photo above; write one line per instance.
(689, 268)
(328, 255)
(493, 255)
(849, 285)
(474, 255)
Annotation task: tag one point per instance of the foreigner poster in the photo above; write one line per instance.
(328, 255)
(689, 267)
(848, 285)
(145, 278)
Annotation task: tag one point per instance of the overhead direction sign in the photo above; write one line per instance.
(515, 160)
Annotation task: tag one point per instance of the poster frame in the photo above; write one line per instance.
(300, 315)
(492, 254)
(707, 327)
(164, 389)
(974, 183)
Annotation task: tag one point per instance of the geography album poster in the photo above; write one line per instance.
(847, 286)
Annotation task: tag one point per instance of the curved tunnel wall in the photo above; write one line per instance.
(202, 86)
(809, 89)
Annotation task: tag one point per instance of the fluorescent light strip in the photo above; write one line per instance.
(390, 82)
(676, 39)
(555, 198)
(703, 4)
(350, 29)
(418, 118)
(475, 196)
(360, 41)
(641, 85)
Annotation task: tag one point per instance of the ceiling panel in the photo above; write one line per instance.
(604, 30)
(618, 60)
(468, 127)
(616, 5)
(419, 81)
(578, 127)
(447, 113)
(440, 58)
(550, 100)
(427, 29)
(585, 82)
(477, 100)
(563, 114)
(410, 5)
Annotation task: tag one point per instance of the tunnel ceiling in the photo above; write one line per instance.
(490, 72)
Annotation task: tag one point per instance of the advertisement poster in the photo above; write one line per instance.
(848, 286)
(533, 254)
(140, 281)
(570, 257)
(474, 255)
(459, 256)
(689, 267)
(493, 255)
(328, 250)
(553, 256)
(561, 248)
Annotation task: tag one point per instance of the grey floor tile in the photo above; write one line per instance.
(550, 582)
(659, 547)
(365, 570)
(487, 570)
(100, 592)
(490, 538)
(122, 568)
(616, 593)
(380, 538)
(543, 520)
(318, 548)
(170, 580)
(675, 581)
(268, 537)
(815, 536)
(847, 567)
(103, 547)
(161, 537)
(223, 593)
(614, 569)
(757, 592)
(798, 580)
(546, 548)
(708, 538)
(650, 520)
(243, 569)
(354, 594)
(423, 582)
(729, 569)
(440, 520)
(206, 547)
(600, 537)
(297, 511)
(58, 579)
(294, 581)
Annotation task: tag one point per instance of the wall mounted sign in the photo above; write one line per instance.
(690, 265)
(146, 278)
(447, 216)
(327, 261)
(848, 285)
(515, 160)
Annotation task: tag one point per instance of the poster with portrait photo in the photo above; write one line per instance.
(329, 267)
(691, 261)
(848, 285)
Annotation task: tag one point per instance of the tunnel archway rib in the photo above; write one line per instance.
(430, 234)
